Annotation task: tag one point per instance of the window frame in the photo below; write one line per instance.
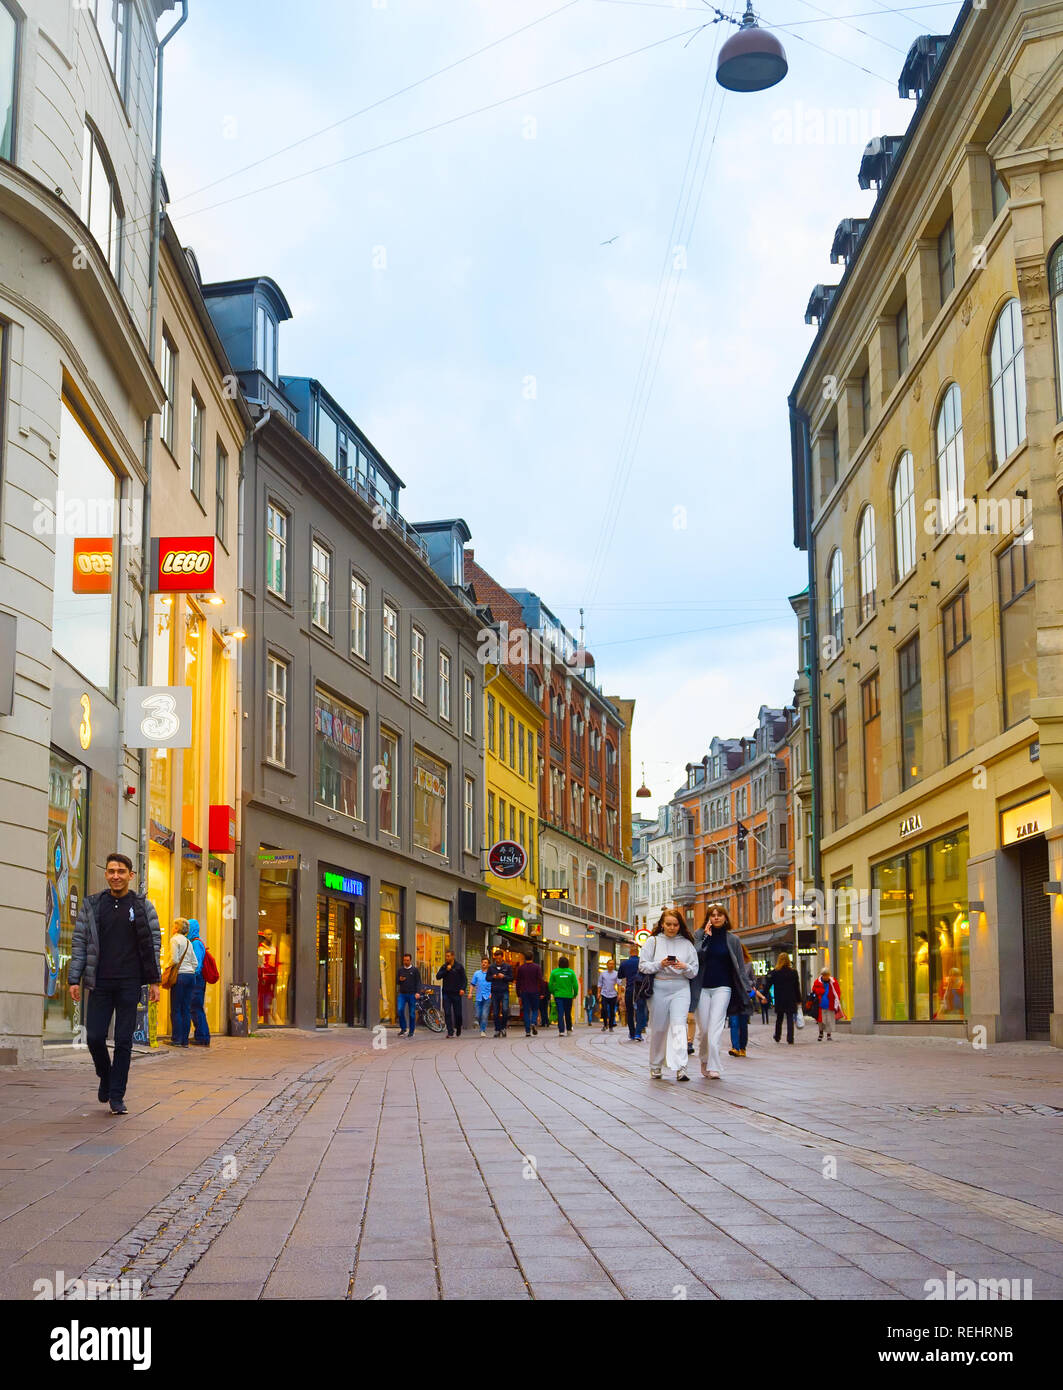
(1018, 546)
(221, 491)
(469, 813)
(359, 607)
(417, 663)
(946, 255)
(389, 638)
(904, 662)
(170, 357)
(949, 651)
(903, 534)
(319, 546)
(867, 568)
(468, 697)
(836, 598)
(93, 147)
(275, 660)
(445, 666)
(949, 460)
(16, 80)
(1007, 384)
(273, 539)
(196, 429)
(871, 713)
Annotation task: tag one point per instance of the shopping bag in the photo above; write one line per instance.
(800, 1018)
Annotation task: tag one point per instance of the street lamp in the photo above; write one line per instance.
(644, 790)
(751, 60)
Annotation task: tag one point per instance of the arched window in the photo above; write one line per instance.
(868, 563)
(904, 515)
(949, 430)
(1055, 289)
(837, 601)
(1007, 377)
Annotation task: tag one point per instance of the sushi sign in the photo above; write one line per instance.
(506, 859)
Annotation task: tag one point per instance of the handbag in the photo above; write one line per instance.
(644, 983)
(169, 975)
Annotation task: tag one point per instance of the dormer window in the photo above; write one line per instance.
(266, 343)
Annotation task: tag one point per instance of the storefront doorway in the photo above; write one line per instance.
(1036, 936)
(390, 936)
(68, 820)
(341, 949)
(433, 936)
(276, 917)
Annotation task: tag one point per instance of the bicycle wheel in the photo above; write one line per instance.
(432, 1019)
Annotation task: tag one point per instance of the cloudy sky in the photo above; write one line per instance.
(558, 276)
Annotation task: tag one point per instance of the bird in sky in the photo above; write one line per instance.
(611, 240)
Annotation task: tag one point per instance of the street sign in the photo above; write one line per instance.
(506, 859)
(553, 894)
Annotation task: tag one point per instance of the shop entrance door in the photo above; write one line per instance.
(334, 931)
(355, 972)
(1036, 937)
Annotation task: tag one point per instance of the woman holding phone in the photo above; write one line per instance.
(723, 984)
(669, 956)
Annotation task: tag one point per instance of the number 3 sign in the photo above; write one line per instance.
(158, 716)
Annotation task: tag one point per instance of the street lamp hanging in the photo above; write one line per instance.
(644, 790)
(751, 60)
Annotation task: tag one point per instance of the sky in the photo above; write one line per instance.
(561, 285)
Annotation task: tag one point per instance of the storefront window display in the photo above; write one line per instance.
(337, 755)
(922, 948)
(846, 923)
(429, 803)
(390, 937)
(68, 819)
(276, 915)
(433, 935)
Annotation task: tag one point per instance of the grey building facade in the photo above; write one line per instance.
(362, 753)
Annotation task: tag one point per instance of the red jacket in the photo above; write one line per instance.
(828, 995)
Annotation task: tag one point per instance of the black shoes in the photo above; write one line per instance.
(103, 1093)
(535, 1031)
(200, 1042)
(118, 1107)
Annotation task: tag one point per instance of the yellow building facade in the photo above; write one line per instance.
(512, 725)
(928, 474)
(194, 804)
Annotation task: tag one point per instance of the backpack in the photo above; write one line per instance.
(209, 967)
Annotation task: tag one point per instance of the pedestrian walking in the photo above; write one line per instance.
(544, 1003)
(670, 957)
(607, 979)
(765, 1002)
(634, 1005)
(564, 986)
(722, 985)
(500, 974)
(198, 1001)
(183, 959)
(115, 951)
(408, 979)
(786, 991)
(590, 1003)
(739, 1022)
(453, 984)
(481, 987)
(529, 988)
(828, 998)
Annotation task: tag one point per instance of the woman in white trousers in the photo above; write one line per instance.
(723, 976)
(669, 956)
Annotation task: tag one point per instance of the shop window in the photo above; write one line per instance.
(390, 938)
(872, 712)
(911, 689)
(1018, 629)
(959, 676)
(338, 733)
(276, 918)
(429, 803)
(388, 783)
(1007, 378)
(220, 724)
(68, 822)
(193, 811)
(83, 593)
(844, 927)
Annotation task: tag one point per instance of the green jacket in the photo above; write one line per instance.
(564, 984)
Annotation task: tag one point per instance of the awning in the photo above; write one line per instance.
(767, 937)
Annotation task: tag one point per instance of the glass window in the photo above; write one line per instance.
(429, 803)
(512, 755)
(531, 756)
(872, 712)
(265, 342)
(946, 261)
(276, 710)
(470, 807)
(959, 676)
(1055, 290)
(276, 917)
(326, 434)
(320, 585)
(8, 73)
(391, 642)
(997, 190)
(491, 723)
(390, 937)
(520, 749)
(83, 592)
(196, 449)
(490, 818)
(837, 601)
(904, 515)
(950, 457)
(840, 745)
(444, 685)
(101, 210)
(387, 782)
(902, 339)
(1018, 629)
(1007, 374)
(359, 599)
(890, 880)
(276, 550)
(468, 707)
(221, 493)
(337, 755)
(948, 928)
(169, 385)
(112, 22)
(865, 403)
(417, 676)
(911, 688)
(868, 563)
(501, 731)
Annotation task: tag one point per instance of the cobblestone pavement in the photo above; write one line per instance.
(314, 1165)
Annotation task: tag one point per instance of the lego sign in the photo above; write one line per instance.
(93, 565)
(182, 564)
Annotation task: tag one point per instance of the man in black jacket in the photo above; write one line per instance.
(409, 980)
(500, 977)
(114, 952)
(454, 984)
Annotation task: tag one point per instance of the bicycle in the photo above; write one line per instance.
(429, 1013)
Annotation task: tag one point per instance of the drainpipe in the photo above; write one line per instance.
(145, 533)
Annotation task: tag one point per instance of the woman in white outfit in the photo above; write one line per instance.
(669, 956)
(722, 985)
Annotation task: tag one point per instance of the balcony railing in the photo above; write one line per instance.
(589, 914)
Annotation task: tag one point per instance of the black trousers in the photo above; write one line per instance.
(609, 1011)
(121, 1001)
(452, 1012)
(544, 1009)
(789, 1015)
(564, 1015)
(499, 1008)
